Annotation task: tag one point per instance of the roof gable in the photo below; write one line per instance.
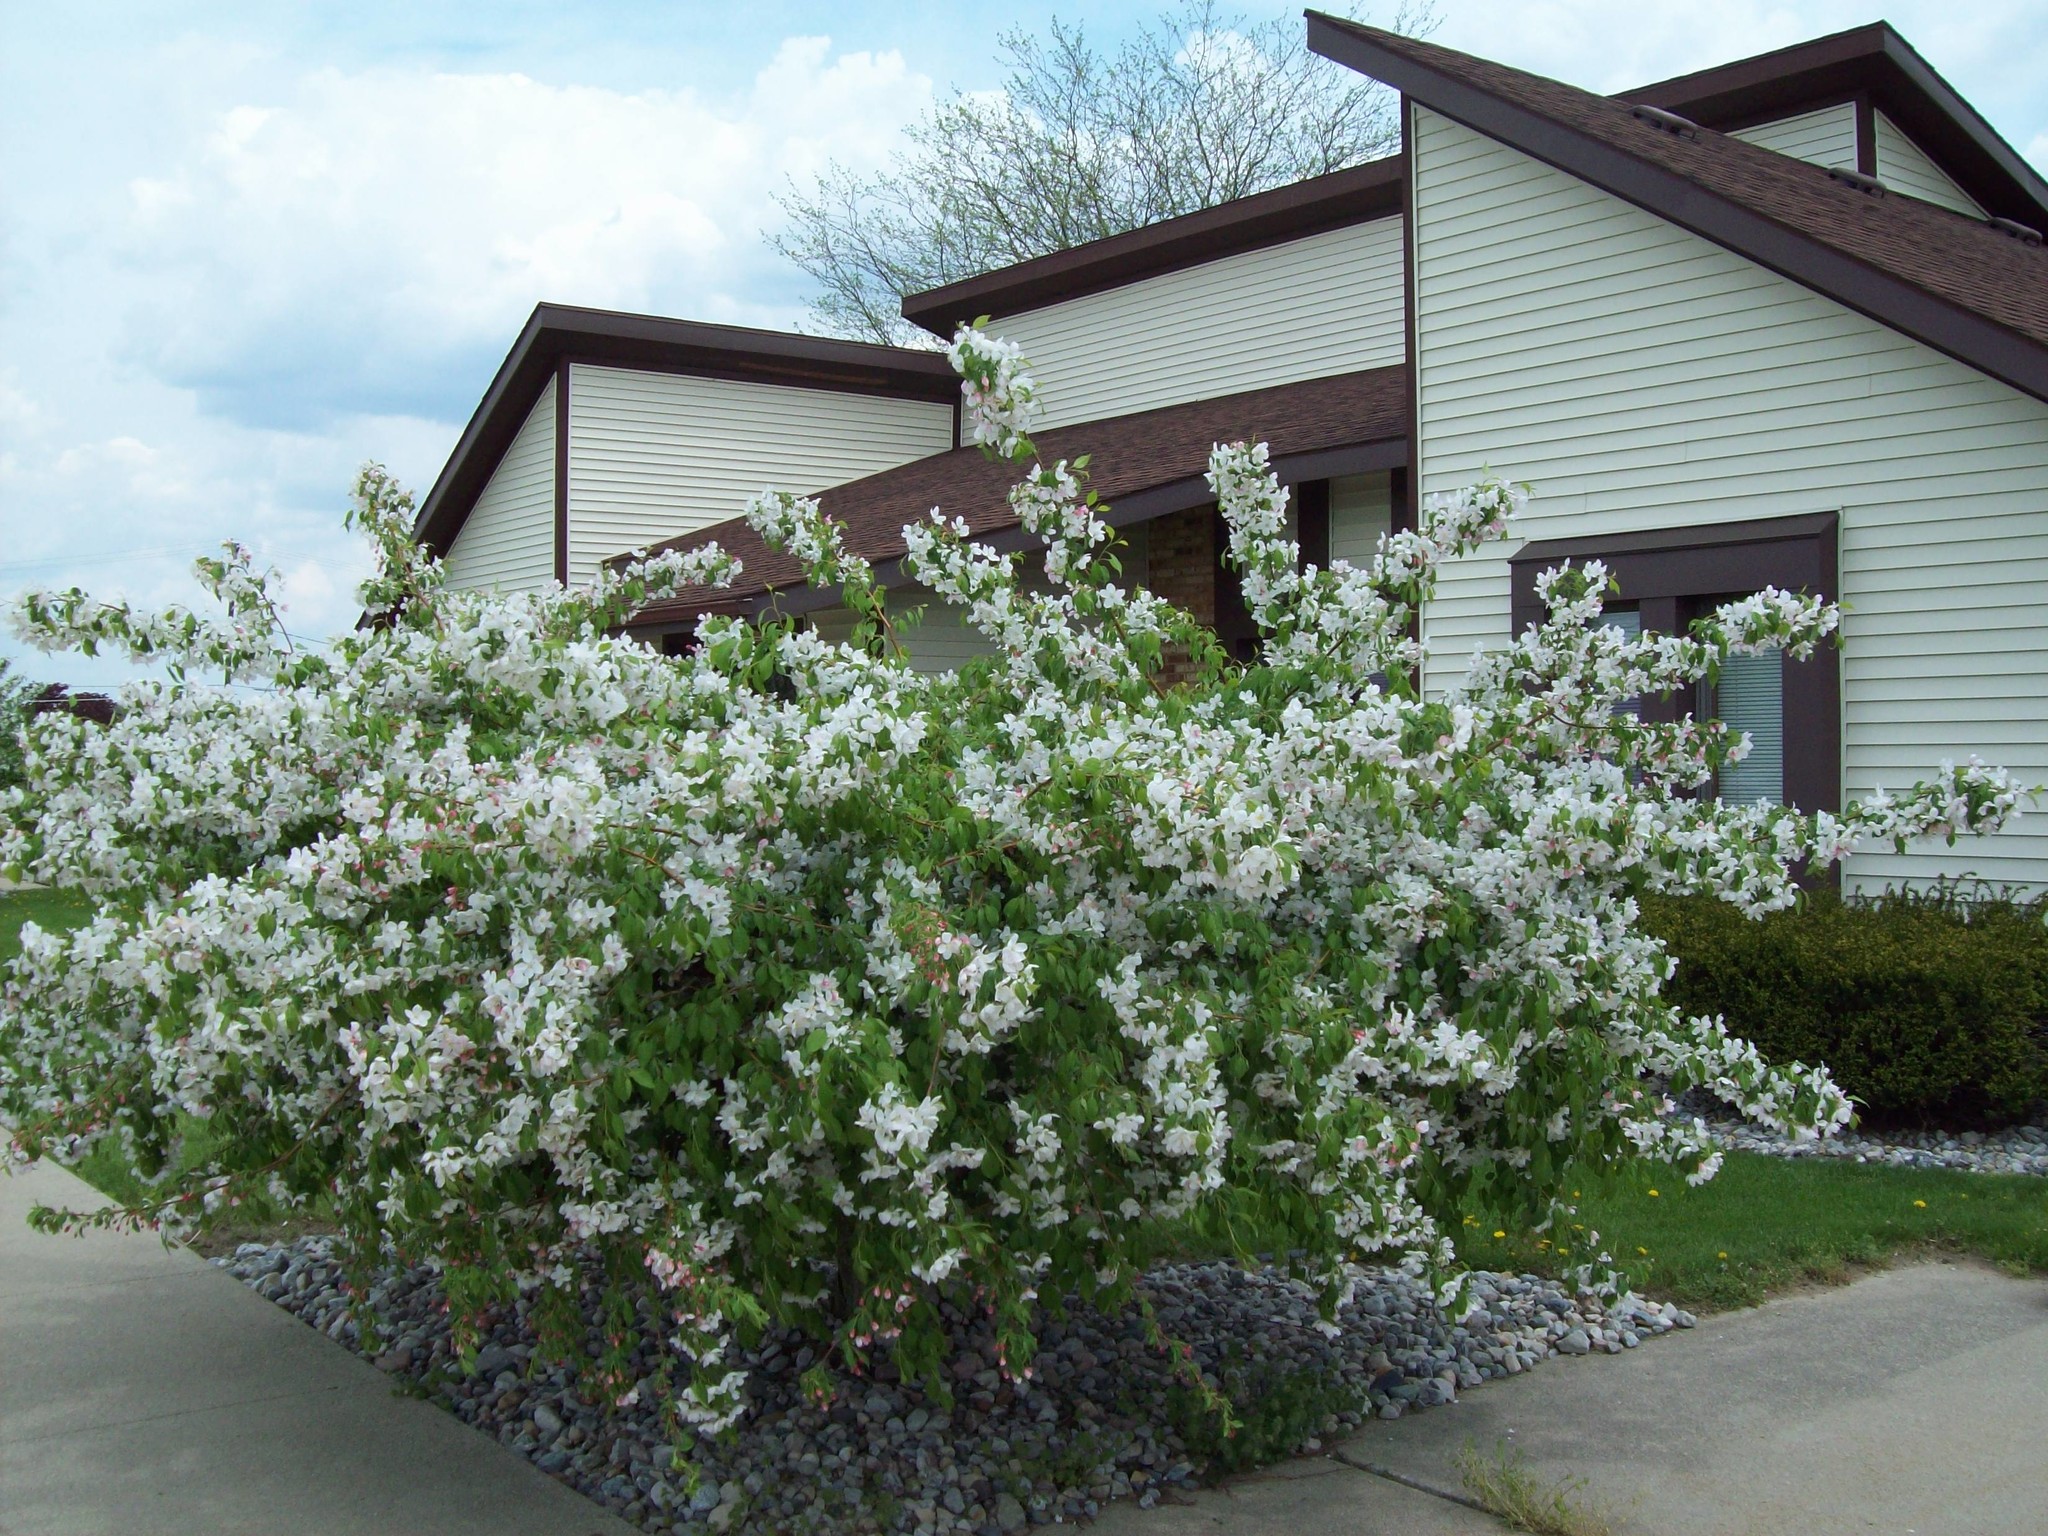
(1956, 283)
(556, 334)
(1870, 65)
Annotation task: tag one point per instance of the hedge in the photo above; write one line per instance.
(1929, 1008)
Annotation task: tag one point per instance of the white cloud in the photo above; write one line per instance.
(308, 273)
(1611, 45)
(365, 238)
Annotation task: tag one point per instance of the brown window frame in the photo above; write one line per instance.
(1673, 574)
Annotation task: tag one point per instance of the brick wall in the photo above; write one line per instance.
(1182, 568)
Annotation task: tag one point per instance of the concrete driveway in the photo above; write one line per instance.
(1914, 1402)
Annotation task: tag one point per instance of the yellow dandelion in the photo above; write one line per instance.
(1720, 1255)
(1644, 1252)
(1653, 1194)
(1499, 1233)
(1921, 1203)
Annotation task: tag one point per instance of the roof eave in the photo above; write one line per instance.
(1872, 60)
(1946, 327)
(1367, 456)
(1356, 195)
(557, 332)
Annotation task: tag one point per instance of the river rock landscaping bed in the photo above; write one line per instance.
(2016, 1149)
(1102, 1420)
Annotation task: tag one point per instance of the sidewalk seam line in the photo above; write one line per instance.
(1410, 1482)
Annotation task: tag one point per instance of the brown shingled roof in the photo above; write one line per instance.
(1145, 465)
(1954, 282)
(1874, 68)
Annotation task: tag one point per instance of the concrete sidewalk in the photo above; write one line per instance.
(1913, 1402)
(144, 1391)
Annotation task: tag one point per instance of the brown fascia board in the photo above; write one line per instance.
(1870, 61)
(1876, 63)
(1375, 455)
(555, 334)
(1904, 306)
(1127, 511)
(1299, 209)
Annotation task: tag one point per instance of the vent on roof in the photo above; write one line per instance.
(2026, 234)
(1670, 122)
(1858, 180)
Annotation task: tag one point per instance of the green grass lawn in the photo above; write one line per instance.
(1766, 1224)
(47, 909)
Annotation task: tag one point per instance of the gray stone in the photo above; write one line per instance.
(1574, 1342)
(492, 1359)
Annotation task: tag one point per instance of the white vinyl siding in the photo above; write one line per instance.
(652, 455)
(1361, 510)
(1902, 167)
(1641, 377)
(942, 639)
(1826, 137)
(508, 540)
(1325, 304)
(938, 642)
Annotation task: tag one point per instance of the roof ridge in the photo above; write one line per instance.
(1952, 282)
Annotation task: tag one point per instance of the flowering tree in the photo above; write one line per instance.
(15, 693)
(814, 985)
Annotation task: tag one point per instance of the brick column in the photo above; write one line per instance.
(1181, 561)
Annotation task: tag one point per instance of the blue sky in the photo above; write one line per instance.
(244, 247)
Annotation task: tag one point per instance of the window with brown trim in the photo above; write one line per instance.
(1670, 576)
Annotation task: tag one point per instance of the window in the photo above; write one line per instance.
(1630, 622)
(1791, 710)
(1750, 697)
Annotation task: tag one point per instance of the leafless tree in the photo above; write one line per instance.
(1196, 109)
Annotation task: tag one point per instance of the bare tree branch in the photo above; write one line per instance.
(1197, 109)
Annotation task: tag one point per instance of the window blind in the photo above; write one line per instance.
(1752, 700)
(1630, 622)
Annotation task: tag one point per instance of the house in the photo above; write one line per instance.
(1782, 322)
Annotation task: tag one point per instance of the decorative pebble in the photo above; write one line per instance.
(2016, 1149)
(1093, 1424)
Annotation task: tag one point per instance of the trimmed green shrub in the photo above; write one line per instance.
(1928, 1008)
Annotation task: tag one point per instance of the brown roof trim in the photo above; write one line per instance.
(557, 334)
(1877, 68)
(1872, 66)
(1146, 465)
(1301, 208)
(1127, 511)
(1983, 343)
